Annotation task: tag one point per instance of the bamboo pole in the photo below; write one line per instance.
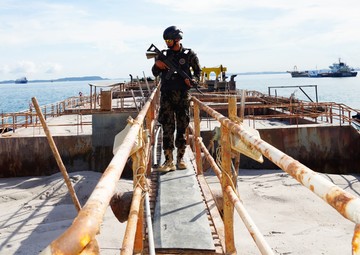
(139, 168)
(131, 227)
(57, 155)
(249, 223)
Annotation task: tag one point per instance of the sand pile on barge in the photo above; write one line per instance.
(35, 211)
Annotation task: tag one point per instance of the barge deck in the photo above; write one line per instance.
(297, 122)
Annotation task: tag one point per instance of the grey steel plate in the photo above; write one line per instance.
(180, 218)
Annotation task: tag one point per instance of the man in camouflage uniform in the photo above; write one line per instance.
(175, 98)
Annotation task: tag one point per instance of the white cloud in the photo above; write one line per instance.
(52, 68)
(29, 68)
(110, 37)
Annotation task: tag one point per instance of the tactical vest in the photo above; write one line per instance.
(172, 80)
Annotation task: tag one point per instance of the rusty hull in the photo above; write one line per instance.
(32, 156)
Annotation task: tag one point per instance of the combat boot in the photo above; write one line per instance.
(169, 162)
(181, 165)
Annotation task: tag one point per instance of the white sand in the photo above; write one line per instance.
(35, 211)
(292, 219)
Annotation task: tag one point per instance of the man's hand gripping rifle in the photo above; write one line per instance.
(153, 51)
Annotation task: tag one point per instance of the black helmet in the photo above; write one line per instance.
(172, 33)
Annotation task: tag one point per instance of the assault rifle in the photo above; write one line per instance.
(153, 51)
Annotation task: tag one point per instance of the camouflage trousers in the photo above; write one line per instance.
(174, 113)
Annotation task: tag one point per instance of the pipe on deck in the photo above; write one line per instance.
(249, 223)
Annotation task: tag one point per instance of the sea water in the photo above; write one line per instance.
(339, 90)
(17, 97)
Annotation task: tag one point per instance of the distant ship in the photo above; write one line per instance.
(339, 70)
(21, 80)
(336, 70)
(295, 73)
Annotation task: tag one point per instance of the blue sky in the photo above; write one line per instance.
(52, 39)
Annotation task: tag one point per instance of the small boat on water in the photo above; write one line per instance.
(337, 70)
(21, 80)
(295, 73)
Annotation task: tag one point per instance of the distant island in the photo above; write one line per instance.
(256, 73)
(83, 78)
(99, 78)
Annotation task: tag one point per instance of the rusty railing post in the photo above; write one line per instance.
(356, 241)
(197, 135)
(149, 120)
(232, 110)
(14, 121)
(226, 180)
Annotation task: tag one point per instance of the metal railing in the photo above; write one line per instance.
(29, 118)
(345, 203)
(79, 105)
(300, 87)
(262, 107)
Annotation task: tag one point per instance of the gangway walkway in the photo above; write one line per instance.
(80, 237)
(180, 212)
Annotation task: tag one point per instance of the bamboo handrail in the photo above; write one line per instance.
(345, 203)
(87, 224)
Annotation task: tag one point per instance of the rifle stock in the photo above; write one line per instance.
(150, 55)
